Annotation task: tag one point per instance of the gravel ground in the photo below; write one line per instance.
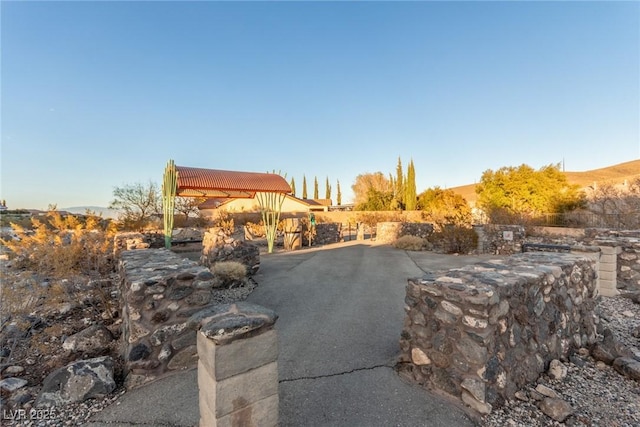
(598, 395)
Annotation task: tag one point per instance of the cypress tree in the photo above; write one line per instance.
(292, 184)
(399, 184)
(339, 194)
(304, 187)
(410, 188)
(327, 189)
(316, 191)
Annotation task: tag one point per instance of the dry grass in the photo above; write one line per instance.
(411, 243)
(230, 271)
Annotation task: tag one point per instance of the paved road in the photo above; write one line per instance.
(340, 311)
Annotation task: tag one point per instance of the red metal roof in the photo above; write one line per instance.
(198, 182)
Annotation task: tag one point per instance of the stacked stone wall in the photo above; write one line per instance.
(127, 241)
(500, 239)
(218, 246)
(388, 232)
(159, 292)
(480, 333)
(327, 233)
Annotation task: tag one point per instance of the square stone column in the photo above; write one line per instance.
(237, 370)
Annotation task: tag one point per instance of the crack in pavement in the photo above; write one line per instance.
(337, 374)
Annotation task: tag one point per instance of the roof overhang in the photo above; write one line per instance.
(214, 183)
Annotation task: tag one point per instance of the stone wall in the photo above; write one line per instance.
(480, 333)
(159, 292)
(327, 233)
(500, 239)
(127, 241)
(388, 232)
(218, 246)
(628, 266)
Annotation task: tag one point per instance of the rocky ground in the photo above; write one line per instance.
(582, 391)
(46, 324)
(593, 392)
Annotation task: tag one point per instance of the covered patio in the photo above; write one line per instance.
(269, 189)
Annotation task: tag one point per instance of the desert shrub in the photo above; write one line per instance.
(411, 243)
(229, 272)
(455, 239)
(255, 229)
(63, 246)
(225, 221)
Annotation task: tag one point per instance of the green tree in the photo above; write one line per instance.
(136, 204)
(338, 194)
(410, 199)
(444, 207)
(524, 192)
(369, 181)
(304, 187)
(376, 201)
(316, 189)
(399, 185)
(327, 189)
(292, 184)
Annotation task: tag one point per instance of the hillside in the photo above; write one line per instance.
(610, 175)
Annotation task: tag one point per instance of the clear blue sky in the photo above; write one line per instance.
(100, 94)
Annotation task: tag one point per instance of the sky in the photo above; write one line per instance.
(97, 95)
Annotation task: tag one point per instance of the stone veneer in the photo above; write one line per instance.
(237, 367)
(326, 233)
(159, 292)
(480, 333)
(388, 232)
(131, 240)
(218, 246)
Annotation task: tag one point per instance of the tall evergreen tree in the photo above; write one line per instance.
(316, 190)
(304, 187)
(410, 198)
(327, 189)
(292, 184)
(399, 184)
(339, 194)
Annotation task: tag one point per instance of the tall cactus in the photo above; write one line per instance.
(270, 208)
(169, 189)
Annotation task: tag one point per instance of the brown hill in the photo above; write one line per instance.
(610, 175)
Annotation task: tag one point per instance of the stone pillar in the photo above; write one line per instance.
(608, 273)
(238, 369)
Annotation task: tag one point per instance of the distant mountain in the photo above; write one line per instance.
(106, 212)
(615, 174)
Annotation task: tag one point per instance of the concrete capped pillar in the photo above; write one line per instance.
(238, 368)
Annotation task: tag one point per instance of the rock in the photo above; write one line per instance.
(469, 400)
(13, 370)
(93, 340)
(546, 391)
(633, 296)
(12, 384)
(602, 353)
(557, 409)
(419, 357)
(628, 367)
(557, 370)
(628, 313)
(78, 381)
(636, 332)
(521, 395)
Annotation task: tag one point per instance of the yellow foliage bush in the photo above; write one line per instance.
(60, 246)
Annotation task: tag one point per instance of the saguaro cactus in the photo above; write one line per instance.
(169, 188)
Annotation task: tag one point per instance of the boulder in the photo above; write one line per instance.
(557, 409)
(78, 381)
(628, 367)
(557, 370)
(93, 340)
